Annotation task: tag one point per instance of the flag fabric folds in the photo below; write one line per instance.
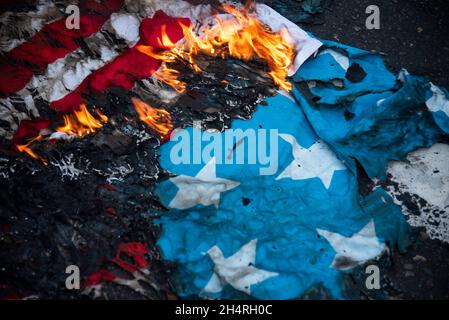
(271, 207)
(374, 118)
(299, 227)
(236, 233)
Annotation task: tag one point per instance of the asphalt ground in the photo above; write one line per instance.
(413, 34)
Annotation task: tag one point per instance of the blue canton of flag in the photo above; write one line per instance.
(270, 236)
(274, 230)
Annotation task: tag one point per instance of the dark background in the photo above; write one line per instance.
(414, 35)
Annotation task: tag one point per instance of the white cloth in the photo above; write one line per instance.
(305, 45)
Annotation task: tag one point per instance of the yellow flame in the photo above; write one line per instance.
(165, 41)
(242, 37)
(26, 148)
(164, 73)
(81, 122)
(158, 120)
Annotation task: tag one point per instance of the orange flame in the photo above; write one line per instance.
(157, 119)
(164, 73)
(242, 37)
(170, 77)
(81, 122)
(26, 148)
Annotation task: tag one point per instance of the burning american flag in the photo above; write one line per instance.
(200, 150)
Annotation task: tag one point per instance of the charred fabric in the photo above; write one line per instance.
(95, 195)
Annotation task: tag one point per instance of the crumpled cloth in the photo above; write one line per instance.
(235, 233)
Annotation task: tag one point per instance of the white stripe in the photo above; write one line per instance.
(19, 27)
(12, 116)
(66, 74)
(183, 9)
(126, 26)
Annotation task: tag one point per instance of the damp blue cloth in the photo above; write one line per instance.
(377, 119)
(240, 226)
(284, 215)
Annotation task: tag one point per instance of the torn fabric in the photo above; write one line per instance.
(292, 218)
(374, 118)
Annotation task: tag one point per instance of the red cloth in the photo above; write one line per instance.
(132, 65)
(122, 72)
(99, 277)
(134, 250)
(54, 41)
(30, 129)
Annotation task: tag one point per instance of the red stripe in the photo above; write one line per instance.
(54, 41)
(151, 29)
(132, 65)
(121, 72)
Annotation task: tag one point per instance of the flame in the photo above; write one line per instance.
(164, 73)
(102, 116)
(26, 148)
(157, 119)
(81, 122)
(164, 41)
(243, 37)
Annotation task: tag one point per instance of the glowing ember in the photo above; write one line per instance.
(81, 122)
(27, 149)
(157, 119)
(242, 37)
(103, 117)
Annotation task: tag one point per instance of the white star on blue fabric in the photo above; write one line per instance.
(237, 270)
(357, 249)
(342, 60)
(204, 188)
(318, 161)
(438, 101)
